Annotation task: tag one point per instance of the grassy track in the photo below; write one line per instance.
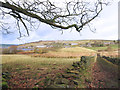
(105, 74)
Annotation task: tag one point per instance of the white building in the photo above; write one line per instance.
(41, 46)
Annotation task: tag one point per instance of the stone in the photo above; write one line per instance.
(57, 81)
(57, 86)
(74, 71)
(66, 75)
(72, 68)
(49, 82)
(52, 86)
(75, 82)
(83, 59)
(60, 86)
(87, 80)
(78, 63)
(71, 86)
(70, 76)
(75, 76)
(75, 65)
(65, 81)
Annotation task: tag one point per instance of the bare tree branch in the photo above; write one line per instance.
(74, 14)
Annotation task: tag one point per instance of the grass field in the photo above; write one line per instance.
(29, 71)
(32, 72)
(97, 48)
(75, 52)
(25, 69)
(114, 47)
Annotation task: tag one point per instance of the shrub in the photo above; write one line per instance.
(35, 88)
(109, 48)
(35, 50)
(10, 50)
(112, 60)
(40, 51)
(44, 50)
(13, 49)
(25, 52)
(4, 85)
(6, 51)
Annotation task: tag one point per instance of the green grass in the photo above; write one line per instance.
(114, 47)
(87, 73)
(97, 48)
(15, 61)
(109, 68)
(106, 65)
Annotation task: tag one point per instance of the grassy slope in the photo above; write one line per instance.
(48, 42)
(111, 71)
(79, 50)
(76, 49)
(75, 52)
(63, 41)
(97, 48)
(114, 46)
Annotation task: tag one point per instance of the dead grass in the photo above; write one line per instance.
(67, 53)
(109, 53)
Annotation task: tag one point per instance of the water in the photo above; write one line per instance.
(3, 46)
(6, 45)
(25, 49)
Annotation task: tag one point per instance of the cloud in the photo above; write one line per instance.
(106, 25)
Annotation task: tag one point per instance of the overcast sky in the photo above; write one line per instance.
(106, 28)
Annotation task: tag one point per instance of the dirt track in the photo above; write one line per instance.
(102, 78)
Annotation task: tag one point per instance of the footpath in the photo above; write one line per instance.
(104, 74)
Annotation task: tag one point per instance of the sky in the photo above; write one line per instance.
(106, 28)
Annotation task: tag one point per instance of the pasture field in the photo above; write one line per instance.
(113, 47)
(26, 71)
(97, 48)
(113, 52)
(59, 66)
(75, 52)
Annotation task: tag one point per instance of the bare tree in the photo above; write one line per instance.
(70, 14)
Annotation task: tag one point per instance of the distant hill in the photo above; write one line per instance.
(37, 43)
(6, 45)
